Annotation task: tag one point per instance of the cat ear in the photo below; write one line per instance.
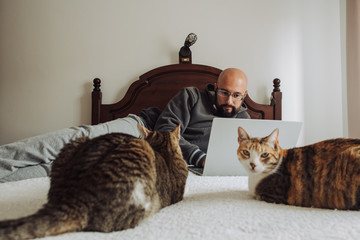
(273, 138)
(242, 135)
(144, 132)
(177, 131)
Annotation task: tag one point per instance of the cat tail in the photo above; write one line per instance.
(41, 224)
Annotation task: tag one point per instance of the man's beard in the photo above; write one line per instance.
(223, 113)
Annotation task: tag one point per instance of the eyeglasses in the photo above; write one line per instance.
(224, 93)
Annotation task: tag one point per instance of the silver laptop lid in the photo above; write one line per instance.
(221, 159)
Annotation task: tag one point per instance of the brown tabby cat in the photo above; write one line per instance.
(323, 175)
(106, 184)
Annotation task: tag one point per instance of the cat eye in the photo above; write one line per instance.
(246, 152)
(264, 155)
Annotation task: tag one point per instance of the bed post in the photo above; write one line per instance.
(96, 102)
(276, 99)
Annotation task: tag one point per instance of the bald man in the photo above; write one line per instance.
(195, 109)
(231, 89)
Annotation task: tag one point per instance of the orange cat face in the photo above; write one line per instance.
(258, 155)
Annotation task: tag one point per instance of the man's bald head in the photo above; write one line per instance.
(233, 75)
(230, 83)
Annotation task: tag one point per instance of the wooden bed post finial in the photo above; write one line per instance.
(97, 84)
(276, 85)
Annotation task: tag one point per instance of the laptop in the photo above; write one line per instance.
(221, 157)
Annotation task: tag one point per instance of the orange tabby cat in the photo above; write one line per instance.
(324, 175)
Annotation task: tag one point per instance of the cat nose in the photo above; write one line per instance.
(253, 165)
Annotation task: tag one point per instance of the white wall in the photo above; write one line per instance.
(353, 70)
(51, 50)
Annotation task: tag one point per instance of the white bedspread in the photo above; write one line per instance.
(213, 208)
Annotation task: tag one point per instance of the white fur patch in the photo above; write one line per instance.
(139, 197)
(253, 181)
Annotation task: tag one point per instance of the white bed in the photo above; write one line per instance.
(213, 208)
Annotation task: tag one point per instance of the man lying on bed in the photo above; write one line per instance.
(192, 108)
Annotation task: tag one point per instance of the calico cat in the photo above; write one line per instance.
(323, 175)
(108, 183)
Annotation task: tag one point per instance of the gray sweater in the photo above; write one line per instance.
(194, 110)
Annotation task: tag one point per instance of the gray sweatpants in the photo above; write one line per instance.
(33, 157)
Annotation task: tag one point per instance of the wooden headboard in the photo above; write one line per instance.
(156, 87)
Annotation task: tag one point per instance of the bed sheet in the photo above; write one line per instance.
(213, 208)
